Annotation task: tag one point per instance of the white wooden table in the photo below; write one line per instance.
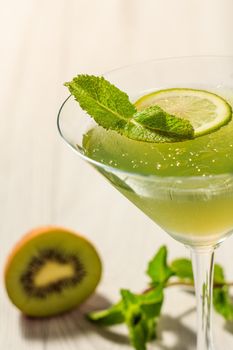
(44, 43)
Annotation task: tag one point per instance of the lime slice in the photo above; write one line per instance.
(206, 111)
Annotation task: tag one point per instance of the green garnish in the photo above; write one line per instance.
(112, 109)
(156, 119)
(158, 269)
(141, 312)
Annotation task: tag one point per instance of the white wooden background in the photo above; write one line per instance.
(42, 44)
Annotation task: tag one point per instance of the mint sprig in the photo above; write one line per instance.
(141, 312)
(111, 108)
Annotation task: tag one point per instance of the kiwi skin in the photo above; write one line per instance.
(59, 301)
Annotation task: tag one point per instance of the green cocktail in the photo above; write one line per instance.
(189, 214)
(185, 186)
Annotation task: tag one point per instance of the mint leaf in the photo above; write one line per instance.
(141, 314)
(138, 332)
(182, 268)
(222, 300)
(151, 328)
(109, 317)
(111, 109)
(158, 269)
(223, 303)
(151, 302)
(109, 106)
(218, 274)
(134, 320)
(155, 118)
(152, 296)
(135, 131)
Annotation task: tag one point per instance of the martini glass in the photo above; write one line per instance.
(194, 210)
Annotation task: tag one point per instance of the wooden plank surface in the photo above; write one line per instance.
(44, 43)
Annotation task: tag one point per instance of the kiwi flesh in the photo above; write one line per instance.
(50, 271)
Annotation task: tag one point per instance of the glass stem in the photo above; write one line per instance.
(203, 266)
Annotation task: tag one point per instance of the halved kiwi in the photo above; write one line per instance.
(50, 271)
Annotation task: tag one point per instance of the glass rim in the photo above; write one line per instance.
(150, 177)
(168, 58)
